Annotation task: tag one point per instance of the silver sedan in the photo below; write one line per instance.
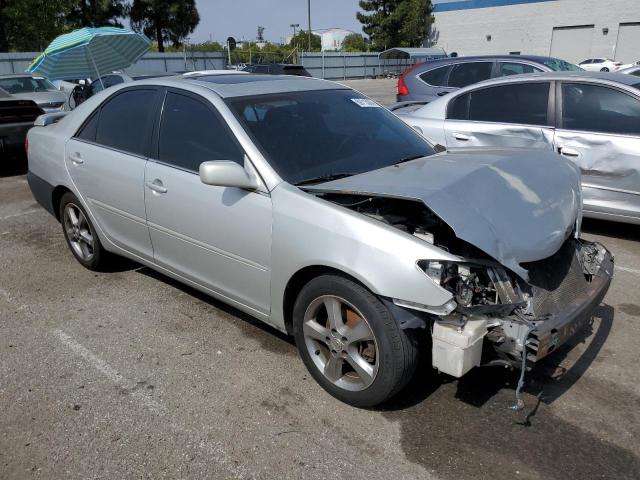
(592, 119)
(315, 210)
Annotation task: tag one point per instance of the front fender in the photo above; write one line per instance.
(308, 231)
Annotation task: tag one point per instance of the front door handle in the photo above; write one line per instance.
(461, 136)
(156, 186)
(568, 152)
(76, 159)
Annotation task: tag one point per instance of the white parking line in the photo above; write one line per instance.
(28, 212)
(628, 270)
(214, 450)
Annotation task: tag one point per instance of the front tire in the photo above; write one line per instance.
(350, 343)
(80, 234)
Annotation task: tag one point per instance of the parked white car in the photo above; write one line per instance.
(600, 65)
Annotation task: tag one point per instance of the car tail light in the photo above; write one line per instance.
(402, 86)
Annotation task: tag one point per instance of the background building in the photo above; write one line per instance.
(573, 30)
(332, 38)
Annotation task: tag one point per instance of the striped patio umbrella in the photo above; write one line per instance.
(90, 52)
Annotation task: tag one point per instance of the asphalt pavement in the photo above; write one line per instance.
(128, 374)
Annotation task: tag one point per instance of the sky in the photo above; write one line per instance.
(220, 19)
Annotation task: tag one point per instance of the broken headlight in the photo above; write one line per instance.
(469, 283)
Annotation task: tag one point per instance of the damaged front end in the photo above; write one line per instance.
(495, 316)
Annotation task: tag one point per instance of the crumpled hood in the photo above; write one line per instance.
(516, 205)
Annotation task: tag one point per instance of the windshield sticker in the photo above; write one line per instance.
(365, 103)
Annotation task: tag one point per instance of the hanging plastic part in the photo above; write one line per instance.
(519, 405)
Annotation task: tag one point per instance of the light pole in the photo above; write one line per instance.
(309, 15)
(294, 26)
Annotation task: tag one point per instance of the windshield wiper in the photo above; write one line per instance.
(408, 159)
(324, 178)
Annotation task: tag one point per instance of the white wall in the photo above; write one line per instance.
(528, 28)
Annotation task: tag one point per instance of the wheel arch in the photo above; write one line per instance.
(56, 197)
(297, 282)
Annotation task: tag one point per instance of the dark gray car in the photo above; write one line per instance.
(427, 81)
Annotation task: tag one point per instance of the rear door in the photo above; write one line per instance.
(599, 130)
(106, 161)
(509, 115)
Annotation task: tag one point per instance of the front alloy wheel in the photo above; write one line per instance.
(350, 342)
(340, 342)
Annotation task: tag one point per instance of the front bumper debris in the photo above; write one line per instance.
(558, 328)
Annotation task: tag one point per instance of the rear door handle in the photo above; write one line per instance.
(461, 136)
(76, 159)
(568, 152)
(156, 186)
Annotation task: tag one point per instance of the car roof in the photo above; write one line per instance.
(529, 58)
(228, 86)
(565, 75)
(19, 75)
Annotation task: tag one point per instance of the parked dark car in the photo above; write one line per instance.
(427, 81)
(277, 69)
(16, 118)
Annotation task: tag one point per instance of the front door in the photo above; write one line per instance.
(218, 237)
(512, 115)
(106, 161)
(600, 132)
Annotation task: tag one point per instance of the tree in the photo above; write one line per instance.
(28, 25)
(354, 42)
(260, 37)
(97, 13)
(395, 23)
(302, 40)
(165, 20)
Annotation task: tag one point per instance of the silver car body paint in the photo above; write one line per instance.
(51, 101)
(530, 219)
(610, 164)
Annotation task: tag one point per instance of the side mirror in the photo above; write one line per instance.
(439, 148)
(225, 173)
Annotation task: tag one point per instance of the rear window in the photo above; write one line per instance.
(558, 65)
(436, 77)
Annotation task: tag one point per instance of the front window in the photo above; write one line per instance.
(16, 85)
(558, 65)
(325, 134)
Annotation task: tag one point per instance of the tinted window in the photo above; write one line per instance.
(512, 68)
(636, 73)
(465, 74)
(89, 129)
(330, 132)
(436, 77)
(523, 103)
(125, 121)
(558, 65)
(599, 109)
(191, 133)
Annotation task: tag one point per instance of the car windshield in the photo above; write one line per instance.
(26, 85)
(326, 134)
(558, 65)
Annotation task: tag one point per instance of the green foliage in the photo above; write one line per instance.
(301, 40)
(96, 13)
(395, 23)
(30, 25)
(354, 42)
(165, 20)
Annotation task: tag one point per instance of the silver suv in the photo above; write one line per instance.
(426, 82)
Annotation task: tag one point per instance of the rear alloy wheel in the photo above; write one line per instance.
(350, 343)
(80, 234)
(604, 69)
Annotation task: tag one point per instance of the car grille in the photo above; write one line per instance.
(556, 281)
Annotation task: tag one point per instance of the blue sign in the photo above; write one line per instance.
(452, 5)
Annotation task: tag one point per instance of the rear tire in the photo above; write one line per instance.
(350, 343)
(604, 69)
(80, 234)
